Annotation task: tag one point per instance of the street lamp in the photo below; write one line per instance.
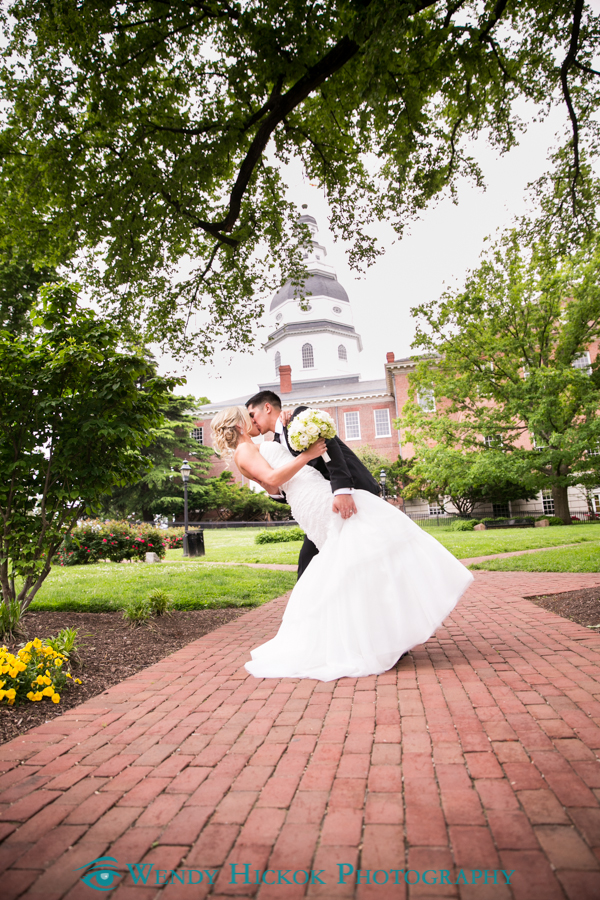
(185, 477)
(382, 480)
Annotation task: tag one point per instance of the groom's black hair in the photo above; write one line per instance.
(264, 397)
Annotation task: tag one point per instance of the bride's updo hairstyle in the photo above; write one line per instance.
(225, 434)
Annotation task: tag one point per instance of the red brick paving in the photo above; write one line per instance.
(478, 752)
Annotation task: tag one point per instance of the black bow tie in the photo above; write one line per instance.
(277, 437)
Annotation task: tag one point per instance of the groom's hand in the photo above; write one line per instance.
(344, 505)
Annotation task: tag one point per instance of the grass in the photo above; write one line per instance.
(465, 544)
(577, 559)
(107, 586)
(237, 544)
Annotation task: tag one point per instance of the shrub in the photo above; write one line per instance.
(172, 538)
(64, 643)
(159, 602)
(137, 611)
(10, 618)
(463, 524)
(36, 672)
(110, 540)
(279, 535)
(552, 520)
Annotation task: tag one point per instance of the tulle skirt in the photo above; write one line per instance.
(379, 586)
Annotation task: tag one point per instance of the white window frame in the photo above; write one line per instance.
(350, 424)
(583, 362)
(277, 363)
(198, 437)
(342, 353)
(547, 501)
(308, 356)
(426, 399)
(492, 441)
(386, 424)
(435, 510)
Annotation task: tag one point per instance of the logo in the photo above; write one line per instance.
(101, 873)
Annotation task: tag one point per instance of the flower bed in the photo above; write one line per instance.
(114, 541)
(36, 671)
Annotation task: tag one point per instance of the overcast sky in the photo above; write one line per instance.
(438, 252)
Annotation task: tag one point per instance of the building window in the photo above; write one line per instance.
(304, 306)
(382, 423)
(548, 502)
(500, 509)
(595, 450)
(352, 426)
(537, 443)
(277, 363)
(337, 310)
(493, 441)
(426, 399)
(198, 435)
(436, 510)
(342, 353)
(596, 503)
(583, 362)
(308, 359)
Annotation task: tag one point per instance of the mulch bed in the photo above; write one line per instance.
(581, 606)
(110, 650)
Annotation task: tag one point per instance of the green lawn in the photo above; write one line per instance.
(237, 544)
(106, 586)
(465, 544)
(576, 559)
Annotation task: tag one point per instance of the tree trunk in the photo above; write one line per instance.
(561, 503)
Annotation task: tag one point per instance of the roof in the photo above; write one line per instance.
(315, 285)
(335, 389)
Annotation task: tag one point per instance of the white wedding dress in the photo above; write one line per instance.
(379, 586)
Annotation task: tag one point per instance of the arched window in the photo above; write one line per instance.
(277, 363)
(342, 352)
(308, 360)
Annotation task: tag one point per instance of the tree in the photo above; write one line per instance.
(467, 478)
(170, 442)
(507, 362)
(146, 134)
(77, 407)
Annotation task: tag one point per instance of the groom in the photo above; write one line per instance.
(344, 470)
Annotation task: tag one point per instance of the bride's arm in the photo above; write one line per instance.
(251, 464)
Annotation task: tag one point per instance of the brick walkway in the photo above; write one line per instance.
(478, 752)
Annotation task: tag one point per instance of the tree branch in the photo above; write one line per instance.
(569, 61)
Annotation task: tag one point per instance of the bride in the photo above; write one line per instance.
(378, 586)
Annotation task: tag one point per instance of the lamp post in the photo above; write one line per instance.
(185, 476)
(382, 480)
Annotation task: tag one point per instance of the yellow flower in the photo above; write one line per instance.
(66, 673)
(10, 694)
(12, 673)
(28, 647)
(77, 680)
(58, 663)
(31, 695)
(2, 695)
(37, 644)
(38, 696)
(20, 666)
(48, 691)
(48, 673)
(56, 698)
(11, 702)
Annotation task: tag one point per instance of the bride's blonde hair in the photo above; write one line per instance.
(225, 434)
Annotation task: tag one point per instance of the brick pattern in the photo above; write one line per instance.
(478, 752)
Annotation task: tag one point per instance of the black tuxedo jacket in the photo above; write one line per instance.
(345, 469)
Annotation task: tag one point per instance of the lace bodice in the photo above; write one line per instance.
(308, 493)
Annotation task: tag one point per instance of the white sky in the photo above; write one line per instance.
(439, 250)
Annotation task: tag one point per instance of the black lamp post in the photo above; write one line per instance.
(382, 480)
(185, 476)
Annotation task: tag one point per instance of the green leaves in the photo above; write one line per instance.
(142, 140)
(77, 408)
(508, 360)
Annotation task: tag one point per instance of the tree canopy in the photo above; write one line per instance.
(145, 138)
(508, 363)
(77, 407)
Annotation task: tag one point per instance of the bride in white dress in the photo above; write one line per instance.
(379, 585)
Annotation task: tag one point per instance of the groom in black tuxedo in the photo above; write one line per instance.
(345, 471)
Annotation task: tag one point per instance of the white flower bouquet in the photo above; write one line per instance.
(307, 427)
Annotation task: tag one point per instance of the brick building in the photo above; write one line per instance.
(314, 350)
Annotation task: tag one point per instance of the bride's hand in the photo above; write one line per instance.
(316, 449)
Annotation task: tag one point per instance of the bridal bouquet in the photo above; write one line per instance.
(308, 426)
